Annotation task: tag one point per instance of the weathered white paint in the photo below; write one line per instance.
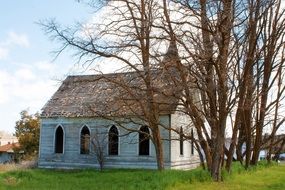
(128, 145)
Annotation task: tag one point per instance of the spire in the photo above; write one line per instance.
(171, 56)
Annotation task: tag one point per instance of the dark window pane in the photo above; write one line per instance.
(84, 140)
(59, 140)
(192, 142)
(113, 141)
(144, 141)
(181, 141)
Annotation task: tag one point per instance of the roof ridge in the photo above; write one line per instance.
(71, 78)
(104, 74)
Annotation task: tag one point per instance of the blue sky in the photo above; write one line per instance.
(28, 74)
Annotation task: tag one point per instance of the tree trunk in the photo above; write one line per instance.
(217, 158)
(158, 149)
(200, 155)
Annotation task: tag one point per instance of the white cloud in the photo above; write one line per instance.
(33, 91)
(17, 39)
(26, 85)
(13, 39)
(44, 66)
(25, 74)
(4, 79)
(3, 53)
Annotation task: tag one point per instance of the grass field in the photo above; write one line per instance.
(260, 178)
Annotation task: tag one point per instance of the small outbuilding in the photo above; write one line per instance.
(7, 153)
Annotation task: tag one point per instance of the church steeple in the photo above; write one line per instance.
(171, 57)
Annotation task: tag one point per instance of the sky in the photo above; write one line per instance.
(29, 75)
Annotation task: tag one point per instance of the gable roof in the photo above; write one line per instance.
(9, 147)
(105, 94)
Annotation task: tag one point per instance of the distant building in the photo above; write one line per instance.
(6, 138)
(7, 152)
(278, 146)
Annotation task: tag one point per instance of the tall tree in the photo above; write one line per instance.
(231, 51)
(126, 37)
(28, 133)
(220, 63)
(204, 40)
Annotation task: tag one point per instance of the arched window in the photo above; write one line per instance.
(59, 140)
(192, 142)
(113, 141)
(144, 141)
(181, 141)
(84, 140)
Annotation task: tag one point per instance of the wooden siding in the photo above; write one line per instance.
(128, 145)
(187, 160)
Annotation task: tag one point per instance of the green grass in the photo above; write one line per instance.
(262, 177)
(259, 178)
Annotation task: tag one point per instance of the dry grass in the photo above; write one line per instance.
(10, 181)
(21, 166)
(8, 167)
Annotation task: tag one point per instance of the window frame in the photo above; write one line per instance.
(181, 142)
(139, 141)
(55, 139)
(192, 142)
(80, 142)
(118, 142)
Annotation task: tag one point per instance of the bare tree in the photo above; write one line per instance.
(231, 52)
(262, 51)
(126, 38)
(100, 143)
(221, 62)
(206, 62)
